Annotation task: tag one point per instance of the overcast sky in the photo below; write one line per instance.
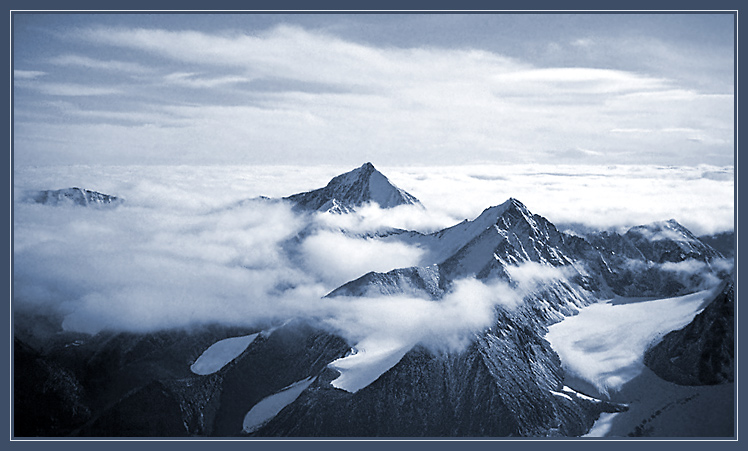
(392, 89)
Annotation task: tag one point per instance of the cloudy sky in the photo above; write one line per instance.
(403, 90)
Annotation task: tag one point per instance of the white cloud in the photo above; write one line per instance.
(27, 74)
(337, 258)
(582, 42)
(370, 218)
(448, 324)
(73, 89)
(92, 63)
(530, 276)
(192, 80)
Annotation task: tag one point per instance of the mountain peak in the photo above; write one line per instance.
(352, 189)
(662, 230)
(491, 215)
(664, 241)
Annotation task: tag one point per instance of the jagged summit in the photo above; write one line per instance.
(353, 189)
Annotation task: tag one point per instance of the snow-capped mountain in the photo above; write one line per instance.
(350, 190)
(302, 379)
(659, 259)
(73, 196)
(668, 241)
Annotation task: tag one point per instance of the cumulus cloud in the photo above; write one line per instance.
(134, 268)
(338, 258)
(448, 324)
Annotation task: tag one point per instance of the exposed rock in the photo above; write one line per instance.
(703, 352)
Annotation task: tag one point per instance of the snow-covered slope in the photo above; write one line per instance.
(350, 190)
(604, 344)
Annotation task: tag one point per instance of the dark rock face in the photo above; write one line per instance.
(350, 190)
(140, 385)
(702, 353)
(48, 399)
(74, 196)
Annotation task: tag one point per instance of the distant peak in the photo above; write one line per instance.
(352, 189)
(659, 225)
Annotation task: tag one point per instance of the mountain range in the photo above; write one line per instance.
(300, 379)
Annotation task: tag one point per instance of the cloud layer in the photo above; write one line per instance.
(190, 246)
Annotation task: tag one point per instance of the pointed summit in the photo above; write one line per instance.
(347, 191)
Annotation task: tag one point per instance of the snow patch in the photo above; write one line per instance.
(269, 407)
(371, 358)
(562, 395)
(219, 354)
(602, 425)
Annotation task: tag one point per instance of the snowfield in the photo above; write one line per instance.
(219, 354)
(268, 408)
(603, 348)
(605, 343)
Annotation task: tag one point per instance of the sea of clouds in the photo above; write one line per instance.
(192, 245)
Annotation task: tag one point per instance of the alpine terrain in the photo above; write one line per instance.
(302, 378)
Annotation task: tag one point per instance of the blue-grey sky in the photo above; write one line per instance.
(397, 89)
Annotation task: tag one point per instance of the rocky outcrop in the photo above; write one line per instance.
(73, 196)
